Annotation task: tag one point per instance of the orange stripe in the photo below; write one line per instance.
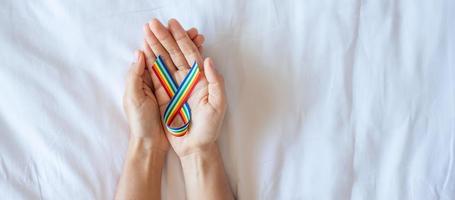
(168, 89)
(186, 95)
(163, 82)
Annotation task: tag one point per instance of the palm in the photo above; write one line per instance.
(203, 114)
(151, 115)
(207, 98)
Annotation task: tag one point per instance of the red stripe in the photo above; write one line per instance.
(185, 97)
(168, 90)
(162, 81)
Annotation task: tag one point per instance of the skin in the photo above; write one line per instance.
(145, 101)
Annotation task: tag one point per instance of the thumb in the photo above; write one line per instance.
(135, 82)
(216, 97)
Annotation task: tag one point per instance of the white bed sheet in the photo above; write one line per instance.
(349, 99)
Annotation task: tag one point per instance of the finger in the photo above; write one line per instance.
(140, 68)
(147, 78)
(192, 33)
(168, 42)
(160, 93)
(147, 91)
(149, 56)
(134, 87)
(158, 49)
(189, 50)
(198, 40)
(215, 85)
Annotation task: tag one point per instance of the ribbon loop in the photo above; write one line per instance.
(179, 95)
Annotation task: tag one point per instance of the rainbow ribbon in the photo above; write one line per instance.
(178, 96)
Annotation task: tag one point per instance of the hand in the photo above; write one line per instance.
(141, 107)
(207, 101)
(140, 103)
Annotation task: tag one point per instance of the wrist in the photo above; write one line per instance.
(198, 150)
(145, 133)
(144, 150)
(141, 141)
(155, 139)
(146, 145)
(142, 170)
(204, 175)
(208, 153)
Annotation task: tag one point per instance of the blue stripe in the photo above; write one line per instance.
(178, 92)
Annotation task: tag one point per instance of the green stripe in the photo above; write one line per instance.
(164, 71)
(179, 93)
(182, 90)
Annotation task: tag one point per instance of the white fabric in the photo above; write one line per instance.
(346, 99)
